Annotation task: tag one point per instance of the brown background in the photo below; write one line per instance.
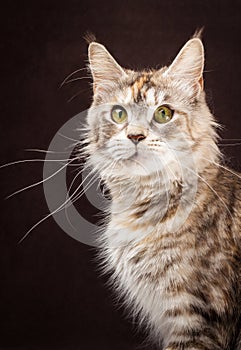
(51, 296)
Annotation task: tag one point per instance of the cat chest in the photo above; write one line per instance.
(160, 272)
(154, 283)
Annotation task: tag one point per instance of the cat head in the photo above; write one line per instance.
(149, 121)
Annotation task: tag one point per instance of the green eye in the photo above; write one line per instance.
(118, 114)
(163, 114)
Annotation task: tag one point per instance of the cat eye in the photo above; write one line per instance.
(118, 114)
(163, 114)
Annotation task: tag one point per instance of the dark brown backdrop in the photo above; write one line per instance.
(51, 296)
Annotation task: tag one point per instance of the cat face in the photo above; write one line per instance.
(151, 121)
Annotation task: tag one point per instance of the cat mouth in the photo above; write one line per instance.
(140, 155)
(134, 155)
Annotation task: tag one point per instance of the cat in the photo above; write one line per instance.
(172, 238)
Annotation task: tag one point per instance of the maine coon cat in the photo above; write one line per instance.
(172, 239)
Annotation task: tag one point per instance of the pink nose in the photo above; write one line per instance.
(135, 138)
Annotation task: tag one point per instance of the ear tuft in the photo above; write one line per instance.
(89, 37)
(198, 33)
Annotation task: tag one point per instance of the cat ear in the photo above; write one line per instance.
(104, 68)
(188, 65)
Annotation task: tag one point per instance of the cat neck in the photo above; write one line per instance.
(141, 204)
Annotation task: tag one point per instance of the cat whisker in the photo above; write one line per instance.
(71, 74)
(91, 181)
(39, 182)
(230, 144)
(33, 227)
(211, 188)
(51, 213)
(230, 139)
(223, 167)
(76, 95)
(72, 200)
(44, 151)
(74, 165)
(32, 161)
(84, 128)
(69, 138)
(217, 164)
(73, 80)
(42, 220)
(82, 183)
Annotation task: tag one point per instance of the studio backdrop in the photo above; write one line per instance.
(52, 294)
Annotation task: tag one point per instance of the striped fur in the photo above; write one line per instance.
(172, 237)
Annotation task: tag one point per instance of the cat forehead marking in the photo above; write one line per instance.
(140, 88)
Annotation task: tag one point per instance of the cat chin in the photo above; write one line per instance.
(147, 163)
(140, 166)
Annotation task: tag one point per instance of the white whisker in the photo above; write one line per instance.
(81, 184)
(39, 182)
(70, 196)
(33, 227)
(68, 138)
(72, 80)
(49, 215)
(77, 94)
(44, 151)
(229, 144)
(223, 167)
(230, 139)
(212, 189)
(33, 160)
(71, 74)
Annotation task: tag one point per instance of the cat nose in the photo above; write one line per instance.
(136, 138)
